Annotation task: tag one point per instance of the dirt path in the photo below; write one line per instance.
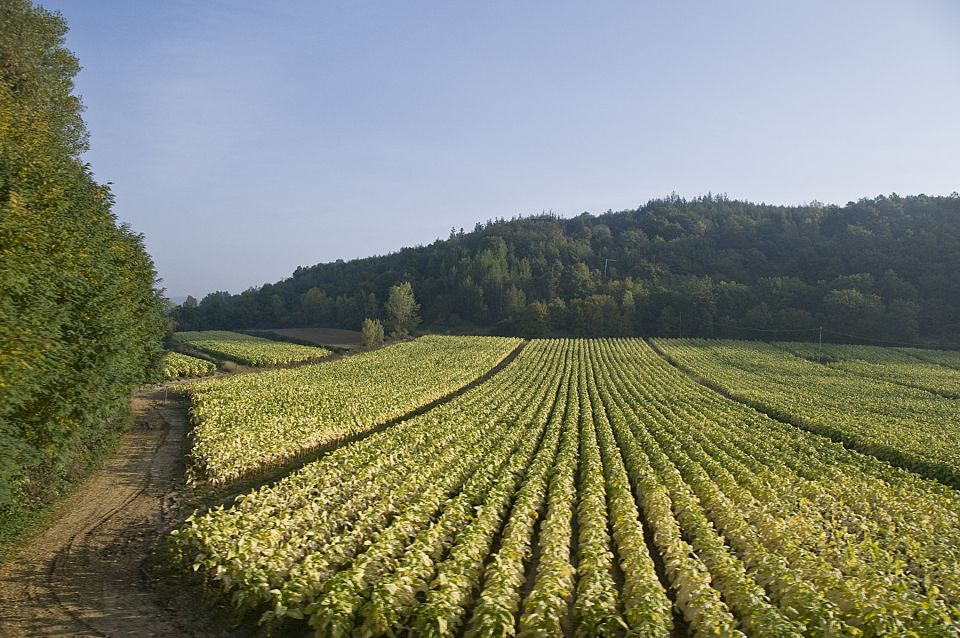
(84, 575)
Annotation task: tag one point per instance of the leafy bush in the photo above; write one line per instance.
(80, 321)
(371, 333)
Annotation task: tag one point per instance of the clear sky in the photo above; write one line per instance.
(244, 139)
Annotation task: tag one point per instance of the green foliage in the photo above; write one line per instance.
(898, 366)
(177, 365)
(535, 320)
(544, 501)
(730, 268)
(403, 311)
(888, 410)
(248, 350)
(371, 333)
(244, 422)
(80, 321)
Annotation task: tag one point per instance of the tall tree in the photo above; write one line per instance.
(80, 320)
(403, 311)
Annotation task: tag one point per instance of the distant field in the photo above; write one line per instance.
(251, 351)
(253, 420)
(895, 365)
(177, 366)
(849, 401)
(334, 337)
(590, 488)
(949, 359)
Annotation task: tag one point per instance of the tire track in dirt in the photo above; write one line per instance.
(87, 574)
(84, 575)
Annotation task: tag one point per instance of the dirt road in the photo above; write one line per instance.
(84, 576)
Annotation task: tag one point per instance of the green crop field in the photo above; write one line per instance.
(252, 351)
(591, 487)
(246, 422)
(177, 366)
(907, 426)
(903, 366)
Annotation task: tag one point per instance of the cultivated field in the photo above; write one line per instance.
(907, 426)
(251, 351)
(247, 422)
(589, 487)
(903, 366)
(177, 366)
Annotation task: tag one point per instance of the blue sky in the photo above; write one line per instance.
(244, 139)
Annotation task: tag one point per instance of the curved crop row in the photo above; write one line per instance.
(246, 422)
(887, 364)
(906, 426)
(833, 541)
(177, 366)
(406, 505)
(945, 358)
(590, 489)
(248, 350)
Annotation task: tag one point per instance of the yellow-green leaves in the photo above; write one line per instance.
(246, 422)
(589, 488)
(177, 365)
(252, 351)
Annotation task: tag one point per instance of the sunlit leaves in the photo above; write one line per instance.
(590, 488)
(177, 365)
(906, 426)
(252, 351)
(246, 422)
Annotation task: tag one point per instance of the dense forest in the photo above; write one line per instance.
(81, 323)
(882, 269)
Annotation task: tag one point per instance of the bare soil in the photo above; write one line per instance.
(335, 337)
(86, 574)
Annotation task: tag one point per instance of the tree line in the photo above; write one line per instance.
(81, 323)
(882, 269)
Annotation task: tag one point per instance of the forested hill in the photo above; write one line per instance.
(886, 268)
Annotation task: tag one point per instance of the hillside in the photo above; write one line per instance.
(879, 269)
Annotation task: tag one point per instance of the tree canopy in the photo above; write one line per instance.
(80, 321)
(402, 308)
(881, 268)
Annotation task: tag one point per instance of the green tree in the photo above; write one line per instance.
(669, 322)
(514, 301)
(853, 312)
(81, 323)
(371, 333)
(316, 308)
(371, 307)
(534, 320)
(579, 280)
(602, 317)
(559, 313)
(403, 311)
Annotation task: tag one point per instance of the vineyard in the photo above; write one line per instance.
(587, 488)
(251, 351)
